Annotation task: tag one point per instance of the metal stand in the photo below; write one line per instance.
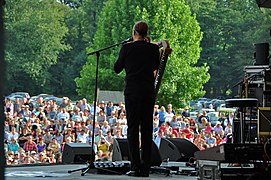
(90, 164)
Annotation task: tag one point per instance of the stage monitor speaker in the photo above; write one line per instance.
(121, 152)
(264, 121)
(177, 149)
(76, 153)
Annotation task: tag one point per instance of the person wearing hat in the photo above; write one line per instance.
(185, 112)
(140, 60)
(218, 128)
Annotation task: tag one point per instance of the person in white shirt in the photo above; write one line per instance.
(82, 136)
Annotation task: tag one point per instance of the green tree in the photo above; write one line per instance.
(82, 22)
(230, 29)
(35, 32)
(168, 19)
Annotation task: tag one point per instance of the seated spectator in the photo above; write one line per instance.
(219, 140)
(202, 125)
(21, 158)
(33, 155)
(52, 126)
(118, 134)
(189, 133)
(13, 134)
(104, 146)
(219, 129)
(30, 145)
(122, 119)
(208, 127)
(13, 145)
(105, 128)
(58, 136)
(112, 120)
(168, 130)
(41, 145)
(48, 136)
(82, 136)
(194, 125)
(118, 127)
(124, 129)
(69, 135)
(54, 148)
(101, 118)
(211, 141)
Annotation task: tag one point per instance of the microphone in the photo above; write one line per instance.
(127, 40)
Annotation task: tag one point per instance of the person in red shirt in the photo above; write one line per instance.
(30, 145)
(188, 132)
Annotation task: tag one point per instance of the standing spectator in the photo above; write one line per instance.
(9, 108)
(17, 106)
(109, 108)
(30, 145)
(156, 110)
(84, 105)
(221, 119)
(64, 102)
(229, 120)
(161, 115)
(69, 107)
(185, 112)
(169, 114)
(204, 115)
(170, 109)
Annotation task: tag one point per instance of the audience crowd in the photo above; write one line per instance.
(38, 133)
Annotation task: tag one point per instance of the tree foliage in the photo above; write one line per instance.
(230, 29)
(170, 20)
(35, 32)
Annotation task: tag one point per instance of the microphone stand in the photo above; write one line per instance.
(92, 160)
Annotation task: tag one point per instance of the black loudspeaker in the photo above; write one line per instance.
(121, 152)
(76, 153)
(177, 149)
(262, 53)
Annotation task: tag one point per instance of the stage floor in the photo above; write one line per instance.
(60, 172)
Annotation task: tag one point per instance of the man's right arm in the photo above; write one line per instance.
(119, 64)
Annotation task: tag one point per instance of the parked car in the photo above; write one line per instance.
(23, 94)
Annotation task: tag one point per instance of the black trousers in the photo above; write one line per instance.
(139, 112)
